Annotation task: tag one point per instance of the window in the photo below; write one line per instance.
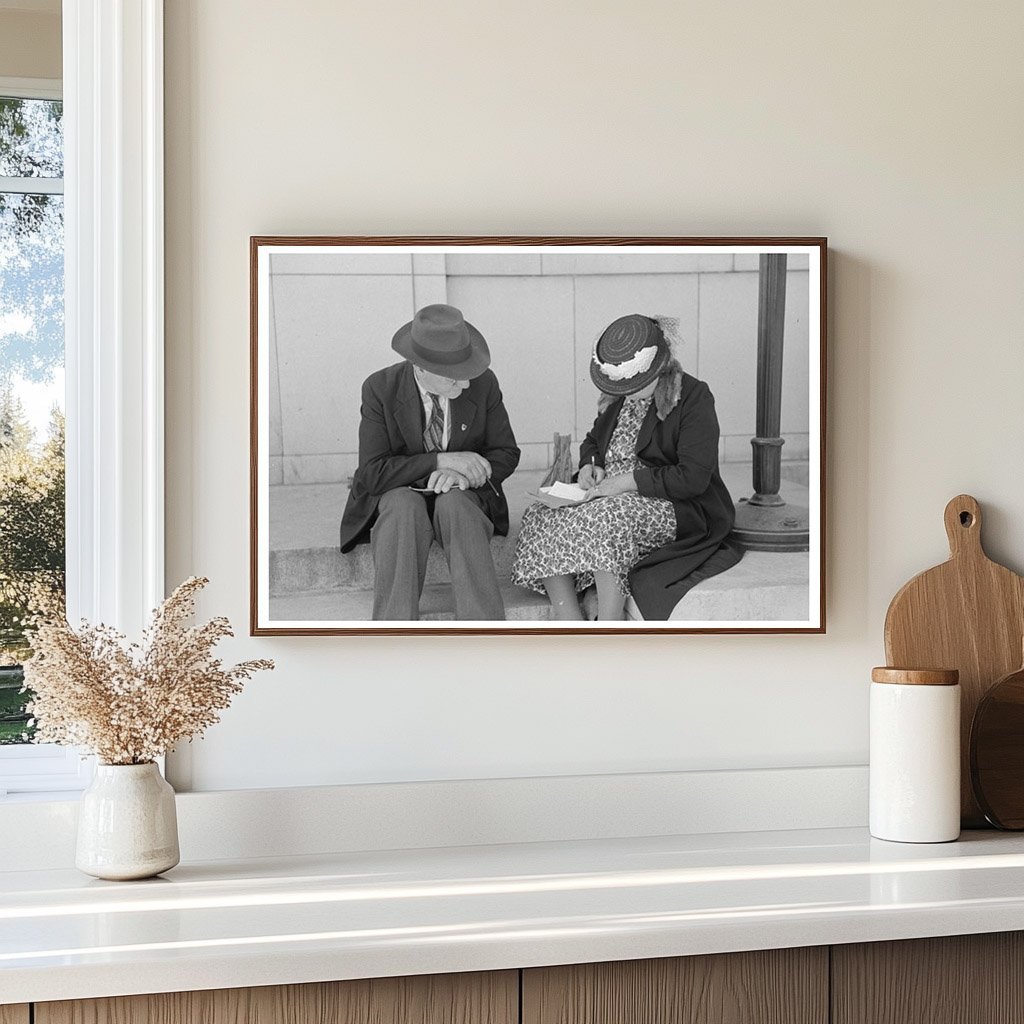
(31, 383)
(113, 332)
(32, 562)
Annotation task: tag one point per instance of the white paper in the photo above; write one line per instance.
(570, 492)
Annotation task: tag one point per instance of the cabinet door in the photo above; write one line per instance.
(962, 979)
(491, 998)
(14, 1014)
(778, 986)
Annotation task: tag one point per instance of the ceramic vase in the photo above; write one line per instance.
(127, 825)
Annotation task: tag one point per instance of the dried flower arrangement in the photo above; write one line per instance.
(129, 704)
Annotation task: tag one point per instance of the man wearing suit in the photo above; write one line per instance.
(435, 445)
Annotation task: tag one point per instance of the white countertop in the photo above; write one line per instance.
(225, 924)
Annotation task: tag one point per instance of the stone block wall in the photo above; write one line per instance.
(333, 316)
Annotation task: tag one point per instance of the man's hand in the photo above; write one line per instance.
(443, 480)
(590, 476)
(475, 468)
(612, 485)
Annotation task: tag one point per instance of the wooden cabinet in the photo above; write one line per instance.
(491, 998)
(963, 979)
(969, 979)
(778, 986)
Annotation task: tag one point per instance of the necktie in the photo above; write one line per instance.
(433, 436)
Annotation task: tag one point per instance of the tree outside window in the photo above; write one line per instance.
(31, 387)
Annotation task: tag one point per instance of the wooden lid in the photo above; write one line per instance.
(916, 676)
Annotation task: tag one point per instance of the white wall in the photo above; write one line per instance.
(30, 43)
(892, 128)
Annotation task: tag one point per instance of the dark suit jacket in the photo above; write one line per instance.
(391, 452)
(678, 461)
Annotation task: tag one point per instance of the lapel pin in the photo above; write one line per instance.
(463, 426)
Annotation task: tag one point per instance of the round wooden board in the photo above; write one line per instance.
(997, 752)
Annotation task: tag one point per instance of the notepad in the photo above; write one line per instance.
(559, 495)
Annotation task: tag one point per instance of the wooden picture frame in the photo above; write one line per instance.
(747, 316)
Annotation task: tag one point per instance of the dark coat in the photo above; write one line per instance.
(678, 461)
(391, 451)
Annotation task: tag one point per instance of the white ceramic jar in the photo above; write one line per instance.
(127, 823)
(915, 755)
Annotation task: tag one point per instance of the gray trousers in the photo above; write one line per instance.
(407, 523)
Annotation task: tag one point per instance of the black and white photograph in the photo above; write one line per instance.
(537, 435)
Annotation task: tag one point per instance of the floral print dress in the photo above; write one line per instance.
(611, 534)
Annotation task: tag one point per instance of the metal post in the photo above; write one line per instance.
(765, 522)
(771, 322)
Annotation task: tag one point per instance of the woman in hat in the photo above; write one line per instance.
(657, 515)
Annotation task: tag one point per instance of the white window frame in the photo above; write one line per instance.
(32, 89)
(114, 345)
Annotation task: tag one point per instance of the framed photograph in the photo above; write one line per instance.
(537, 435)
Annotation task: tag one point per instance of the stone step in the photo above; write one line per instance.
(764, 586)
(305, 563)
(437, 604)
(301, 570)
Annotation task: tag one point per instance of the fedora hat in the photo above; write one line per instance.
(631, 352)
(439, 339)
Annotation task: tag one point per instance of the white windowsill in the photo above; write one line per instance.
(243, 824)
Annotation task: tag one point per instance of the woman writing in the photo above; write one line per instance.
(657, 515)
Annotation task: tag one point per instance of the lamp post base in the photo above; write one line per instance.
(772, 527)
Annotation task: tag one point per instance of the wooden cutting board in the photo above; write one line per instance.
(967, 614)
